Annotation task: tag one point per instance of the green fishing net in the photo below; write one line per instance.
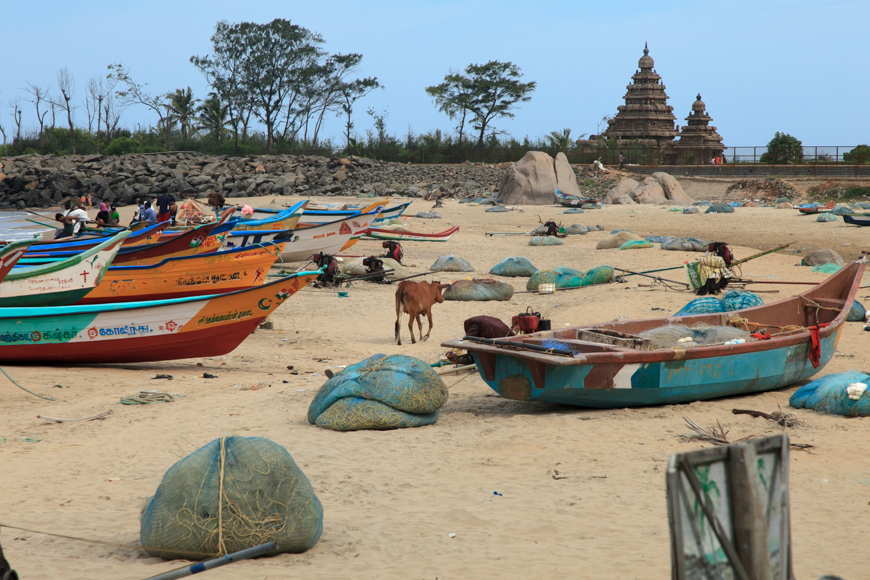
(232, 494)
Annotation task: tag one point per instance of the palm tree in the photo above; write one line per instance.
(213, 116)
(560, 140)
(182, 108)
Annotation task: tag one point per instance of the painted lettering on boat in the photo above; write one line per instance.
(126, 330)
(218, 318)
(214, 259)
(209, 279)
(37, 336)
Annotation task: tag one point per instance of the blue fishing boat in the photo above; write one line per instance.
(857, 221)
(614, 365)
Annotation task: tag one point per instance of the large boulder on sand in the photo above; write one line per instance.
(650, 191)
(672, 188)
(619, 190)
(533, 179)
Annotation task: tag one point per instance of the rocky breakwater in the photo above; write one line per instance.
(44, 181)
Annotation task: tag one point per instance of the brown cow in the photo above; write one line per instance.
(417, 298)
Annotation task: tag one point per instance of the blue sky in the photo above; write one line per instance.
(763, 66)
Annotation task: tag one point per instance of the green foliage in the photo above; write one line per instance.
(560, 140)
(860, 155)
(782, 149)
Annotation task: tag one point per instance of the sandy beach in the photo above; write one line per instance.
(483, 472)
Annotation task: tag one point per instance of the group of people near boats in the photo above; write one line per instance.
(76, 214)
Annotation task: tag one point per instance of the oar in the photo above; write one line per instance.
(220, 561)
(758, 255)
(42, 224)
(653, 277)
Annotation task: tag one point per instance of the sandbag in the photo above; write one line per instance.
(635, 245)
(381, 392)
(451, 263)
(615, 240)
(685, 245)
(562, 277)
(829, 394)
(740, 299)
(250, 485)
(705, 305)
(545, 241)
(719, 208)
(517, 267)
(478, 290)
(486, 327)
(857, 313)
(826, 217)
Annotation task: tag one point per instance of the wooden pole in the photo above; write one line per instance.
(747, 506)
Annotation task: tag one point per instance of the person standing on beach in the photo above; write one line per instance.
(621, 161)
(114, 216)
(148, 214)
(163, 203)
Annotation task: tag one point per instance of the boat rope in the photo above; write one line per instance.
(26, 389)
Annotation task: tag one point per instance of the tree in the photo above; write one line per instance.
(137, 94)
(16, 118)
(350, 93)
(39, 97)
(560, 140)
(488, 91)
(859, 155)
(213, 116)
(783, 148)
(181, 107)
(66, 84)
(100, 104)
(452, 98)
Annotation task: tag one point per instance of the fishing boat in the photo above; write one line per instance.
(150, 331)
(814, 209)
(301, 244)
(11, 253)
(611, 365)
(856, 221)
(137, 236)
(400, 236)
(319, 215)
(283, 220)
(59, 283)
(573, 200)
(186, 276)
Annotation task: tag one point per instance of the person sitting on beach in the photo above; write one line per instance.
(148, 214)
(114, 216)
(77, 217)
(66, 230)
(103, 218)
(247, 212)
(173, 209)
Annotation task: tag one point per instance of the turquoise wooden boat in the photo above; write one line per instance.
(609, 365)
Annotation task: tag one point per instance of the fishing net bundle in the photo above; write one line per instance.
(451, 263)
(478, 290)
(565, 277)
(575, 229)
(616, 239)
(635, 245)
(517, 267)
(356, 268)
(831, 394)
(732, 300)
(719, 208)
(685, 245)
(234, 493)
(857, 313)
(841, 210)
(381, 392)
(545, 241)
(675, 335)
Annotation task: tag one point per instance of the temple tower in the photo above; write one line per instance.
(699, 142)
(646, 115)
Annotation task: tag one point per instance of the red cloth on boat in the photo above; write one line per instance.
(816, 344)
(761, 335)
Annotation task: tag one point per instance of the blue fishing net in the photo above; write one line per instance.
(599, 275)
(514, 267)
(685, 245)
(381, 392)
(856, 313)
(562, 277)
(635, 245)
(841, 210)
(573, 210)
(719, 208)
(496, 209)
(658, 239)
(575, 229)
(739, 299)
(705, 305)
(828, 394)
(451, 263)
(829, 268)
(232, 494)
(827, 217)
(545, 241)
(616, 231)
(482, 290)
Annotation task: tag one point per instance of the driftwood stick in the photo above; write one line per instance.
(755, 414)
(62, 420)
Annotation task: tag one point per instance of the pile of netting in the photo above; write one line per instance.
(232, 494)
(732, 300)
(635, 245)
(681, 336)
(381, 392)
(478, 289)
(192, 212)
(857, 313)
(840, 394)
(719, 208)
(685, 245)
(451, 263)
(545, 241)
(514, 267)
(564, 277)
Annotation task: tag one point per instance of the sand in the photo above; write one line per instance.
(392, 498)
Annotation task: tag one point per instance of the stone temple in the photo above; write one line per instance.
(646, 115)
(647, 120)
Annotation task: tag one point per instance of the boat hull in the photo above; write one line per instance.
(380, 234)
(141, 331)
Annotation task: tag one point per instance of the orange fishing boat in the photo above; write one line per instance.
(195, 275)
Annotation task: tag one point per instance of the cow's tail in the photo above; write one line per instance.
(399, 297)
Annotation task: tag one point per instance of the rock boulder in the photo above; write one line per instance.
(533, 179)
(620, 189)
(672, 188)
